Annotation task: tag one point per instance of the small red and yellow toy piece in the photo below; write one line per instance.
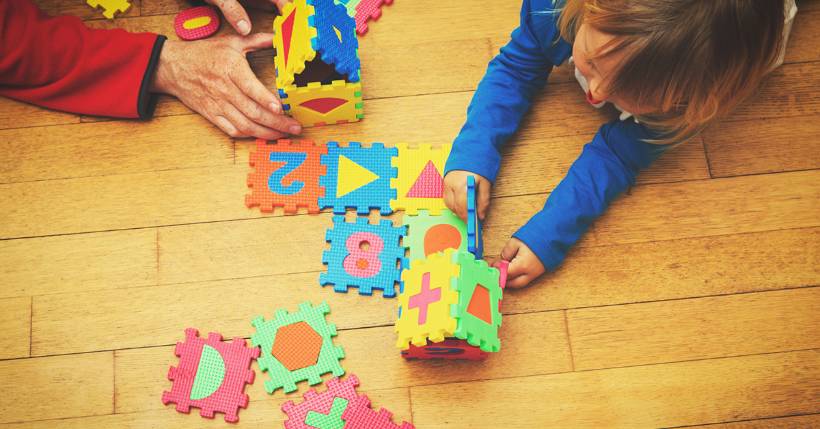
(197, 23)
(110, 7)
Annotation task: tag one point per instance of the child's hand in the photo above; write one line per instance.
(524, 264)
(455, 193)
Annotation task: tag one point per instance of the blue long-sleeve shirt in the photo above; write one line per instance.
(607, 166)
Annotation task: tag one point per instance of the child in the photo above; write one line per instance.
(670, 66)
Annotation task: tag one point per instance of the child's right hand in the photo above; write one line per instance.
(455, 193)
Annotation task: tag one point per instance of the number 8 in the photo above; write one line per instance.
(363, 262)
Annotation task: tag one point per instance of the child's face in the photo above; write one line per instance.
(597, 71)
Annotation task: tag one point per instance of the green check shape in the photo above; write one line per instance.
(331, 420)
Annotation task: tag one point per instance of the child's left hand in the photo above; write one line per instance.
(524, 264)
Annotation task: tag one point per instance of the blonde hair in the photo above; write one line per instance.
(696, 60)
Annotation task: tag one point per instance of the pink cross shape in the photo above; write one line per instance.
(424, 298)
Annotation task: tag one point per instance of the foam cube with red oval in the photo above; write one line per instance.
(197, 23)
(317, 63)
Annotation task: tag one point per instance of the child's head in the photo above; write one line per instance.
(675, 64)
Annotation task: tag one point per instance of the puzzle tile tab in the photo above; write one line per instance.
(110, 7)
(364, 256)
(361, 416)
(211, 375)
(367, 10)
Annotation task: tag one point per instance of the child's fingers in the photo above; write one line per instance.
(518, 282)
(509, 252)
(460, 197)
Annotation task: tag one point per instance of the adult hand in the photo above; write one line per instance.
(455, 193)
(213, 78)
(236, 15)
(524, 264)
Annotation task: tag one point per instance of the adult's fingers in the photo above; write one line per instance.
(246, 127)
(259, 104)
(257, 41)
(235, 14)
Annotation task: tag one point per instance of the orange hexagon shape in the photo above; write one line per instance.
(297, 346)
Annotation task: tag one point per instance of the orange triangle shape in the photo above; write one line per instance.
(429, 184)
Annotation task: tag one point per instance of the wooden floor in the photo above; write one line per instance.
(694, 301)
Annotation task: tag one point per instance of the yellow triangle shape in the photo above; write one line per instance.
(338, 33)
(352, 176)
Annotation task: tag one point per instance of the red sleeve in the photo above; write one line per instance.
(58, 62)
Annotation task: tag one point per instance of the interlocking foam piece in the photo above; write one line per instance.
(197, 23)
(475, 243)
(367, 10)
(361, 416)
(329, 355)
(427, 234)
(449, 349)
(350, 266)
(502, 266)
(373, 195)
(292, 41)
(110, 7)
(350, 5)
(286, 175)
(436, 273)
(321, 403)
(229, 396)
(336, 40)
(316, 104)
(420, 180)
(475, 330)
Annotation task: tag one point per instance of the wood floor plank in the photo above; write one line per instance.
(110, 148)
(531, 344)
(78, 263)
(16, 114)
(792, 422)
(641, 272)
(788, 91)
(261, 413)
(257, 247)
(755, 147)
(676, 394)
(15, 323)
(700, 209)
(647, 333)
(57, 387)
(137, 317)
(803, 45)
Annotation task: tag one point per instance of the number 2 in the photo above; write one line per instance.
(292, 160)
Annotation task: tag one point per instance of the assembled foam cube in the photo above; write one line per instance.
(317, 63)
(449, 295)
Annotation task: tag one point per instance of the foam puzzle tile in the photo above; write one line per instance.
(427, 301)
(286, 175)
(110, 7)
(428, 234)
(297, 347)
(197, 23)
(502, 266)
(292, 41)
(367, 10)
(322, 410)
(420, 180)
(358, 178)
(352, 263)
(361, 416)
(449, 349)
(475, 243)
(479, 303)
(316, 104)
(211, 375)
(336, 40)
